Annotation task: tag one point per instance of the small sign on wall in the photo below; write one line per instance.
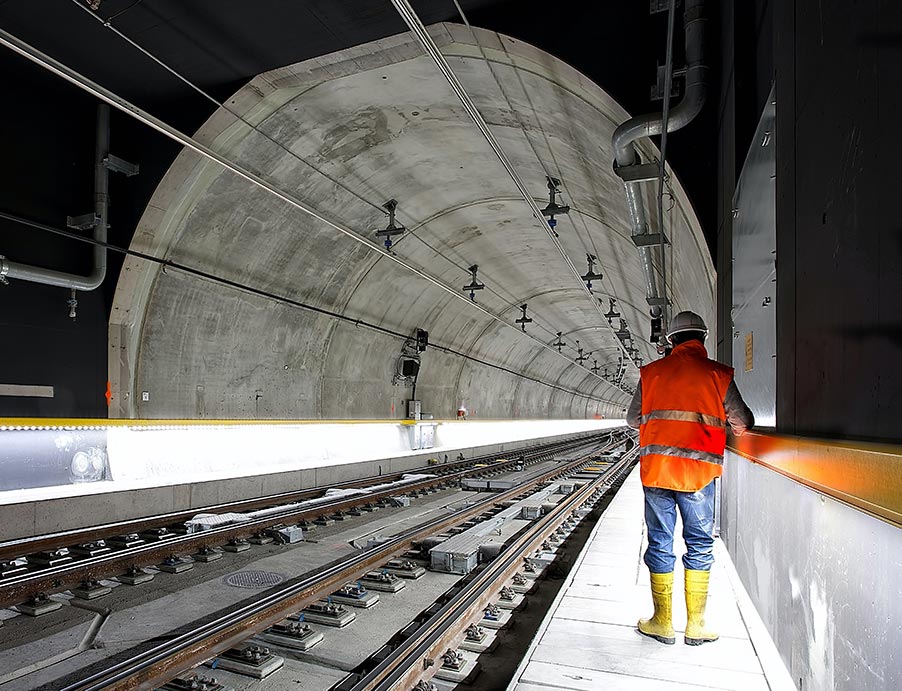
(749, 352)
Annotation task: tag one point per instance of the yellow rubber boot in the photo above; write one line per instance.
(696, 599)
(660, 626)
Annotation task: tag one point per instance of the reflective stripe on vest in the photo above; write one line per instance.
(683, 416)
(677, 452)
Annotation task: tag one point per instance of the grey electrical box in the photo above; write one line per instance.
(414, 411)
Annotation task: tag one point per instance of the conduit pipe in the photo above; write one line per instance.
(92, 281)
(650, 124)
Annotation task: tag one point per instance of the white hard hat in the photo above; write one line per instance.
(686, 321)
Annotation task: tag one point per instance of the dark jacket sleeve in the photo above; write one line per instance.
(739, 415)
(634, 414)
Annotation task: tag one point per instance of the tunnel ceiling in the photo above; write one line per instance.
(344, 133)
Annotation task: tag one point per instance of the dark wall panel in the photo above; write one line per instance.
(41, 346)
(839, 233)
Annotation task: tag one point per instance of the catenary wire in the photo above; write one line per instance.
(510, 302)
(282, 299)
(528, 139)
(548, 146)
(413, 21)
(54, 66)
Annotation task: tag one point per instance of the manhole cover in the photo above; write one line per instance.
(254, 579)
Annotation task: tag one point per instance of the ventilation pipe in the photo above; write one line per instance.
(629, 132)
(36, 274)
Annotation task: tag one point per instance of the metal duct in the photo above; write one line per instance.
(36, 274)
(651, 124)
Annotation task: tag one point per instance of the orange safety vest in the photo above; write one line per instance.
(682, 433)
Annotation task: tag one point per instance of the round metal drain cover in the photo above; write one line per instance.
(254, 579)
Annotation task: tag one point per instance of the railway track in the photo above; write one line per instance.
(415, 657)
(34, 567)
(152, 666)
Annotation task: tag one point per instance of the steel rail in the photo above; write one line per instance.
(16, 589)
(19, 547)
(149, 668)
(405, 665)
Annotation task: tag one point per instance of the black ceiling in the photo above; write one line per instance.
(220, 44)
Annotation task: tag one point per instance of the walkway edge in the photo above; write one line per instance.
(515, 679)
(775, 672)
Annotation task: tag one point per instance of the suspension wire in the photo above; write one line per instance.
(108, 23)
(535, 152)
(419, 30)
(510, 302)
(56, 67)
(665, 115)
(548, 146)
(273, 297)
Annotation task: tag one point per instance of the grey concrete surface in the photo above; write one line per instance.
(347, 647)
(380, 119)
(295, 675)
(155, 609)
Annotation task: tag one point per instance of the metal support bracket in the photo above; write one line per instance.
(649, 240)
(657, 89)
(659, 6)
(119, 165)
(638, 172)
(83, 222)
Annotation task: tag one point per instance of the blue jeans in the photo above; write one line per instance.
(697, 511)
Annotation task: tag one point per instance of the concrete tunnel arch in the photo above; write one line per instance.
(379, 118)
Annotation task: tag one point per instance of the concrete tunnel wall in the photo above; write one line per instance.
(381, 119)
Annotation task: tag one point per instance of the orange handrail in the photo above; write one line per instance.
(863, 475)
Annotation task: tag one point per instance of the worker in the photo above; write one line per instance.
(681, 408)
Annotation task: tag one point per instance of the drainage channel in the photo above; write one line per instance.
(157, 663)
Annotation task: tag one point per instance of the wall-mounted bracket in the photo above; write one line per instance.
(474, 283)
(83, 222)
(392, 229)
(649, 239)
(657, 89)
(612, 313)
(638, 172)
(120, 165)
(553, 207)
(590, 275)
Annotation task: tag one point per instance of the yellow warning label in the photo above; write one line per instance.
(749, 352)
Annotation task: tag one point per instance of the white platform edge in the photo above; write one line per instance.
(775, 672)
(540, 632)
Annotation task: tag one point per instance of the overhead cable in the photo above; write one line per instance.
(275, 297)
(594, 250)
(107, 23)
(419, 30)
(56, 67)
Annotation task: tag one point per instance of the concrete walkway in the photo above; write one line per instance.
(589, 640)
